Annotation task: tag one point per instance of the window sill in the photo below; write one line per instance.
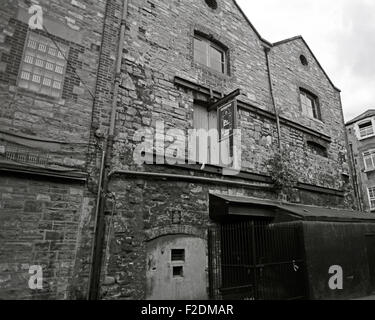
(205, 68)
(365, 138)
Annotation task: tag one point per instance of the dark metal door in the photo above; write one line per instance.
(257, 260)
(370, 241)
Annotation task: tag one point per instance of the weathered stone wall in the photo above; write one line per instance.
(47, 221)
(41, 224)
(158, 48)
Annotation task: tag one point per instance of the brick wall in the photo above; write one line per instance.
(48, 221)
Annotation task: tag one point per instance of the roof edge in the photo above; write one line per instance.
(299, 37)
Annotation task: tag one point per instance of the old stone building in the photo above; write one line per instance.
(102, 79)
(361, 135)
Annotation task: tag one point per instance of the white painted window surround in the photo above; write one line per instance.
(365, 129)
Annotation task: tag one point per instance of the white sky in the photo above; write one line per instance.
(341, 33)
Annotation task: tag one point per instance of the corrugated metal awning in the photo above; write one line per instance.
(224, 207)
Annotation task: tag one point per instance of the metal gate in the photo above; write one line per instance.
(257, 260)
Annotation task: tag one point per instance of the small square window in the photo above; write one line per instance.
(178, 272)
(47, 82)
(25, 75)
(36, 78)
(29, 59)
(42, 47)
(178, 255)
(32, 44)
(52, 51)
(50, 66)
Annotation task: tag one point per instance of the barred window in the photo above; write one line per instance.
(43, 66)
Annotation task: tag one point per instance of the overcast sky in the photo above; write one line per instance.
(341, 33)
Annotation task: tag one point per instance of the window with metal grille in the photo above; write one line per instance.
(43, 66)
(371, 194)
(366, 129)
(209, 54)
(178, 255)
(310, 105)
(369, 159)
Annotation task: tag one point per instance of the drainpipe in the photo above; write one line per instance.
(97, 256)
(267, 51)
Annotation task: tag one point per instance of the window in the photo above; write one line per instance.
(43, 66)
(317, 149)
(178, 272)
(178, 255)
(371, 193)
(212, 4)
(369, 159)
(366, 129)
(310, 105)
(209, 54)
(303, 60)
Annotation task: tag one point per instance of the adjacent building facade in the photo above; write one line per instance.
(96, 185)
(361, 133)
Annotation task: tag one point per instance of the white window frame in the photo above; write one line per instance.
(371, 199)
(369, 154)
(358, 130)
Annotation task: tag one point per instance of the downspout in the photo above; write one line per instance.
(267, 50)
(97, 256)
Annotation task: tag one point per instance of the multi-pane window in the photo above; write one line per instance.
(371, 193)
(43, 66)
(366, 129)
(369, 158)
(209, 54)
(310, 105)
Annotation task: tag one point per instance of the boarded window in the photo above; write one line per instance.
(43, 66)
(208, 150)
